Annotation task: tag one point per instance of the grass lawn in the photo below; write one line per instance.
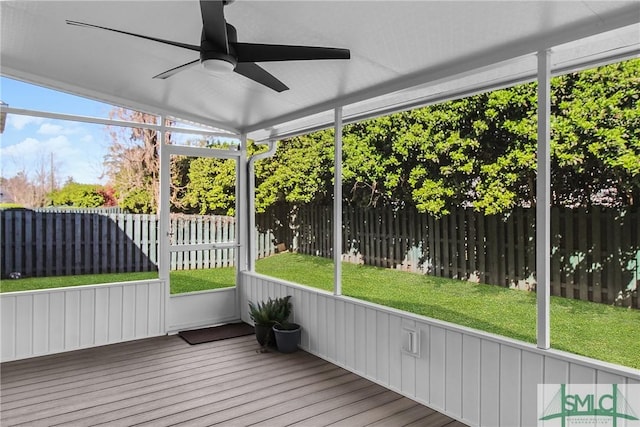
(200, 280)
(34, 283)
(181, 281)
(595, 330)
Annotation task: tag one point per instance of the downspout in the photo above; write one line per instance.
(252, 255)
(543, 202)
(164, 206)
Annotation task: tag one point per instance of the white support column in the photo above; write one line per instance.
(242, 222)
(543, 200)
(252, 249)
(337, 205)
(242, 207)
(164, 206)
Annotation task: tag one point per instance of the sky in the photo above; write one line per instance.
(78, 149)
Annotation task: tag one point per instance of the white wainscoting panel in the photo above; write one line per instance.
(478, 378)
(197, 309)
(35, 323)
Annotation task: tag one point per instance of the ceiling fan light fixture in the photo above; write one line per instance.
(218, 66)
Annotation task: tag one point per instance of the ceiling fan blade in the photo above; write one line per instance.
(176, 70)
(256, 52)
(214, 25)
(260, 75)
(169, 42)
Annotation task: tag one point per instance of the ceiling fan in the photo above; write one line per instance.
(220, 51)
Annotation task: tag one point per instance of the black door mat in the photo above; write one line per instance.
(216, 333)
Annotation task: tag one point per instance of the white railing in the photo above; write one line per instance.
(478, 378)
(197, 309)
(47, 321)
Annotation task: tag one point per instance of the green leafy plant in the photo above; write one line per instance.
(266, 314)
(270, 312)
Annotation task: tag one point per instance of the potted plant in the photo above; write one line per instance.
(287, 336)
(265, 314)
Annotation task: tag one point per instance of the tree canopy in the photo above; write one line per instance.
(478, 151)
(82, 195)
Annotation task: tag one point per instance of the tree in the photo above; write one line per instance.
(596, 136)
(79, 195)
(300, 172)
(132, 163)
(481, 151)
(31, 189)
(210, 188)
(478, 151)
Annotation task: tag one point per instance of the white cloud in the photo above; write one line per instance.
(50, 129)
(70, 157)
(19, 122)
(61, 128)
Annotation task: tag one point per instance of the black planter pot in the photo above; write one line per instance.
(265, 335)
(287, 337)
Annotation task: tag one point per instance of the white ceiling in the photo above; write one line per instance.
(435, 48)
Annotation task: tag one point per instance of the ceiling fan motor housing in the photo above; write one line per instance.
(208, 54)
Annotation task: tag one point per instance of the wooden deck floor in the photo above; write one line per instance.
(164, 381)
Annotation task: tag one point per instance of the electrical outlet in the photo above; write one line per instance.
(410, 339)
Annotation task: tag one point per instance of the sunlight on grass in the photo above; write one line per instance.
(589, 329)
(34, 283)
(200, 280)
(181, 281)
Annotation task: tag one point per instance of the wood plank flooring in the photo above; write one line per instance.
(164, 381)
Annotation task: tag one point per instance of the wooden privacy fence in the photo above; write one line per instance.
(39, 244)
(595, 253)
(43, 243)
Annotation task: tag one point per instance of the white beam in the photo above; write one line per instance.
(164, 206)
(184, 150)
(543, 200)
(337, 205)
(110, 99)
(203, 246)
(111, 122)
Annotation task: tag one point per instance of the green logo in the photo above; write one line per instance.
(599, 408)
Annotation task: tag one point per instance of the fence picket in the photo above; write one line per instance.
(510, 249)
(596, 255)
(583, 251)
(462, 245)
(568, 244)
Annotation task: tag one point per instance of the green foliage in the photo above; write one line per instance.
(271, 312)
(300, 172)
(596, 134)
(79, 195)
(478, 151)
(210, 187)
(138, 200)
